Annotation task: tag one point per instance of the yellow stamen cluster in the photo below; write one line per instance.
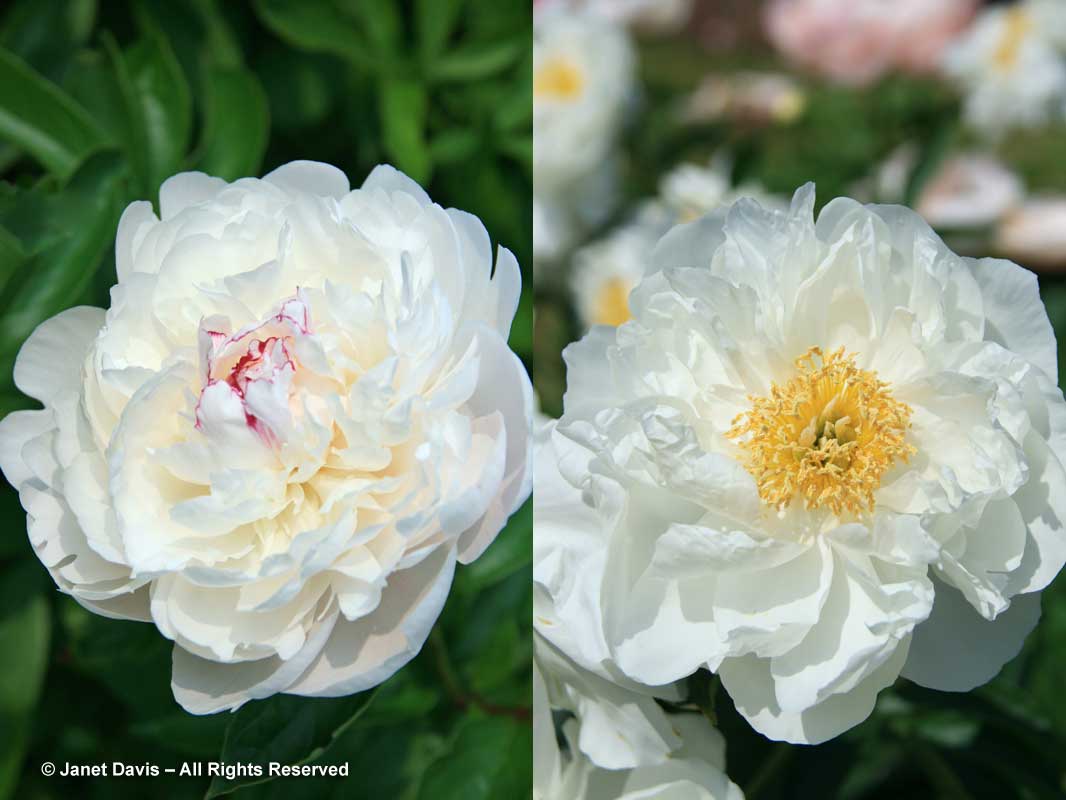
(1015, 29)
(612, 302)
(828, 435)
(558, 79)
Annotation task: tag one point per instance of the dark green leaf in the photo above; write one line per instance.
(42, 119)
(84, 217)
(488, 758)
(285, 729)
(512, 551)
(236, 123)
(473, 62)
(12, 256)
(403, 121)
(159, 106)
(454, 146)
(317, 27)
(436, 20)
(25, 627)
(185, 733)
(381, 21)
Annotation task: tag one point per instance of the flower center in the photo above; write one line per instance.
(559, 79)
(1016, 28)
(828, 435)
(612, 302)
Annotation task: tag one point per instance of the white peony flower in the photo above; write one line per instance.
(693, 769)
(807, 434)
(298, 413)
(1010, 63)
(605, 272)
(583, 73)
(689, 191)
(583, 70)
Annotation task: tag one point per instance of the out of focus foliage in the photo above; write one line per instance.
(99, 102)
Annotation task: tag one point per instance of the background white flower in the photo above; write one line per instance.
(299, 411)
(728, 497)
(605, 271)
(1012, 66)
(583, 71)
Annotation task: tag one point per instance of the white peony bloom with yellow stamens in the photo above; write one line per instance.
(606, 271)
(1012, 66)
(822, 454)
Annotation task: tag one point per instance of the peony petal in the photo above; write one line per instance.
(1015, 316)
(751, 687)
(51, 360)
(133, 226)
(18, 429)
(391, 180)
(313, 177)
(865, 618)
(205, 687)
(177, 193)
(956, 649)
(1042, 503)
(363, 653)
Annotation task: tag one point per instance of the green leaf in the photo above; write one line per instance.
(185, 733)
(520, 148)
(515, 113)
(381, 21)
(319, 28)
(454, 145)
(42, 119)
(435, 21)
(45, 33)
(488, 758)
(24, 633)
(12, 256)
(285, 729)
(236, 123)
(512, 551)
(159, 108)
(221, 45)
(25, 630)
(77, 231)
(478, 61)
(403, 120)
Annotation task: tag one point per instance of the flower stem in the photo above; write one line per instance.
(454, 687)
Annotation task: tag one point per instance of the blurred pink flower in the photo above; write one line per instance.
(857, 41)
(1035, 233)
(969, 190)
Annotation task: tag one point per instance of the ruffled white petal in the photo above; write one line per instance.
(956, 649)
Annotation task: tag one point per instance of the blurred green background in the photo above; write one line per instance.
(99, 102)
(1007, 739)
